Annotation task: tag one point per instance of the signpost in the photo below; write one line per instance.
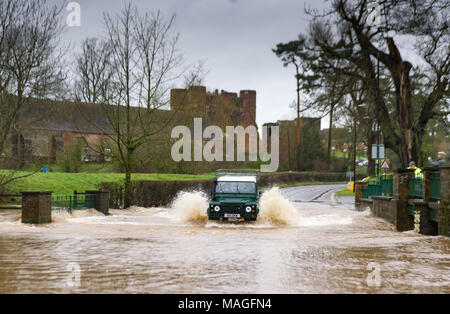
(350, 175)
(378, 151)
(385, 165)
(377, 154)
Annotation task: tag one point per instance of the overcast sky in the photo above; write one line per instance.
(233, 37)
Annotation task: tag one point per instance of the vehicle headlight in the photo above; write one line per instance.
(248, 209)
(216, 208)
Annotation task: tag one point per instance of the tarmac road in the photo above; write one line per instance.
(319, 193)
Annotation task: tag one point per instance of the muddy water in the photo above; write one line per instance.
(309, 247)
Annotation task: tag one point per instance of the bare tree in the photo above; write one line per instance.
(93, 66)
(29, 34)
(29, 59)
(142, 65)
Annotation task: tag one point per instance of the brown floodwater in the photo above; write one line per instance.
(293, 248)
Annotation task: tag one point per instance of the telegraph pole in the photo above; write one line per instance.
(378, 115)
(354, 151)
(298, 120)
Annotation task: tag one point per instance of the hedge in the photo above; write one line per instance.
(150, 193)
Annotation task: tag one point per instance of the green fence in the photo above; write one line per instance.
(73, 202)
(435, 183)
(415, 187)
(374, 188)
(385, 187)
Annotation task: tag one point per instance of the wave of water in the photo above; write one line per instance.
(62, 215)
(274, 208)
(191, 207)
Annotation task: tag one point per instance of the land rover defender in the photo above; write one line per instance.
(235, 195)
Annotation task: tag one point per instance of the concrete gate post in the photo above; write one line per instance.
(101, 200)
(36, 207)
(400, 195)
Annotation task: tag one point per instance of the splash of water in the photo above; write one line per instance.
(191, 207)
(62, 215)
(274, 209)
(325, 220)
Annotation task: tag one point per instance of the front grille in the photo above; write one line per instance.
(232, 209)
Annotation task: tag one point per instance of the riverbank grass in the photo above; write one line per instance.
(345, 192)
(66, 183)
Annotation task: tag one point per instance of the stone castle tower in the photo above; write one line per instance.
(220, 109)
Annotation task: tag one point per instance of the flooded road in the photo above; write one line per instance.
(317, 247)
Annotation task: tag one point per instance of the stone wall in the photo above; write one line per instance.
(310, 143)
(219, 109)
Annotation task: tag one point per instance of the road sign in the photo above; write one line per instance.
(385, 165)
(380, 151)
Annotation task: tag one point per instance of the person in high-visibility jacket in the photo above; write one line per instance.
(417, 171)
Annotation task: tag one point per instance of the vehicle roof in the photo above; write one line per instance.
(237, 179)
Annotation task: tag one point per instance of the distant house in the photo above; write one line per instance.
(288, 139)
(48, 127)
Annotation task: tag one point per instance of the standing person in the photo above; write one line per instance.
(440, 159)
(417, 171)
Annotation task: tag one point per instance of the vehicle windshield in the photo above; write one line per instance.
(235, 187)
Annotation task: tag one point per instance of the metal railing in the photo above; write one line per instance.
(385, 187)
(435, 186)
(415, 187)
(73, 202)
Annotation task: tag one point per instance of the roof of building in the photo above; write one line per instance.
(77, 116)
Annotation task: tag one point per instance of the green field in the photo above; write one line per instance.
(345, 192)
(66, 183)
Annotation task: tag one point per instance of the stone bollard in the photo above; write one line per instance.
(426, 226)
(101, 200)
(358, 193)
(358, 190)
(36, 207)
(401, 195)
(444, 211)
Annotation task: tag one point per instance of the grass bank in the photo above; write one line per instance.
(66, 183)
(345, 192)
